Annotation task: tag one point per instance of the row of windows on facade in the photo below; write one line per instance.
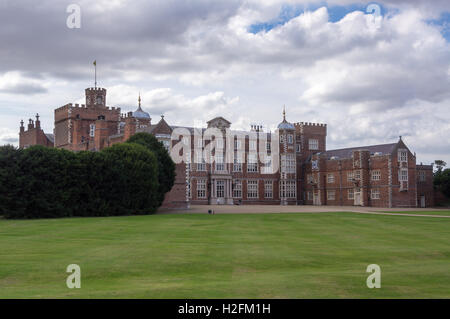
(331, 194)
(288, 163)
(313, 143)
(375, 175)
(288, 189)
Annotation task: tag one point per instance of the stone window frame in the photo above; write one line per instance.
(252, 189)
(201, 188)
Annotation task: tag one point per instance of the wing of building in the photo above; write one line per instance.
(377, 175)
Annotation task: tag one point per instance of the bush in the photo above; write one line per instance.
(442, 181)
(130, 176)
(40, 186)
(166, 166)
(9, 158)
(42, 182)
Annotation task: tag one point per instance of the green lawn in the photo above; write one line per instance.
(435, 212)
(227, 256)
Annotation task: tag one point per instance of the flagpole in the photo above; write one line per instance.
(95, 65)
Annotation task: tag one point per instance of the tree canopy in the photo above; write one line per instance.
(166, 166)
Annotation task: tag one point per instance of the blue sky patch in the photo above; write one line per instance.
(288, 12)
(443, 23)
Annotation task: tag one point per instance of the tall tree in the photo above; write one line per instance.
(166, 166)
(440, 164)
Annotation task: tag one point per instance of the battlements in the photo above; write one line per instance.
(309, 124)
(82, 106)
(96, 89)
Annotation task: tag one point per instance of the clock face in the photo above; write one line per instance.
(315, 164)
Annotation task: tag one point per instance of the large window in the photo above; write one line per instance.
(220, 188)
(252, 145)
(201, 188)
(237, 165)
(313, 144)
(350, 176)
(252, 189)
(288, 189)
(331, 195)
(402, 155)
(252, 163)
(220, 166)
(288, 163)
(422, 176)
(350, 194)
(330, 178)
(219, 143)
(237, 188)
(376, 175)
(403, 175)
(267, 168)
(375, 194)
(268, 189)
(357, 175)
(201, 165)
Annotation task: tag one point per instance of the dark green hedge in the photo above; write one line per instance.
(166, 171)
(41, 182)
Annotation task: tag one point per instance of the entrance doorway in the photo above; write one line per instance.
(422, 201)
(316, 199)
(358, 199)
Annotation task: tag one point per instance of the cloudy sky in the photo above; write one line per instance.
(370, 79)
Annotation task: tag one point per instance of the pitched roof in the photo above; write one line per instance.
(347, 152)
(50, 137)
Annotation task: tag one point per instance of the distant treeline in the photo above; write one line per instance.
(126, 179)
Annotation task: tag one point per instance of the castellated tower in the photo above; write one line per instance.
(96, 97)
(76, 125)
(312, 138)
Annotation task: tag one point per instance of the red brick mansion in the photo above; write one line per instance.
(379, 175)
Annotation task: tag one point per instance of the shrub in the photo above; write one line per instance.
(129, 180)
(166, 166)
(40, 186)
(442, 181)
(42, 182)
(9, 158)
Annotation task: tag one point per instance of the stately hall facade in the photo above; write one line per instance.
(384, 175)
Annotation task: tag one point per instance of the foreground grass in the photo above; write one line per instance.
(227, 256)
(434, 212)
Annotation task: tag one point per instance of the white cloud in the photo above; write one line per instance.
(197, 61)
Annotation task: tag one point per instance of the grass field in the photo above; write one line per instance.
(434, 212)
(227, 256)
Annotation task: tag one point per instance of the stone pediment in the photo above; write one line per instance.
(219, 122)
